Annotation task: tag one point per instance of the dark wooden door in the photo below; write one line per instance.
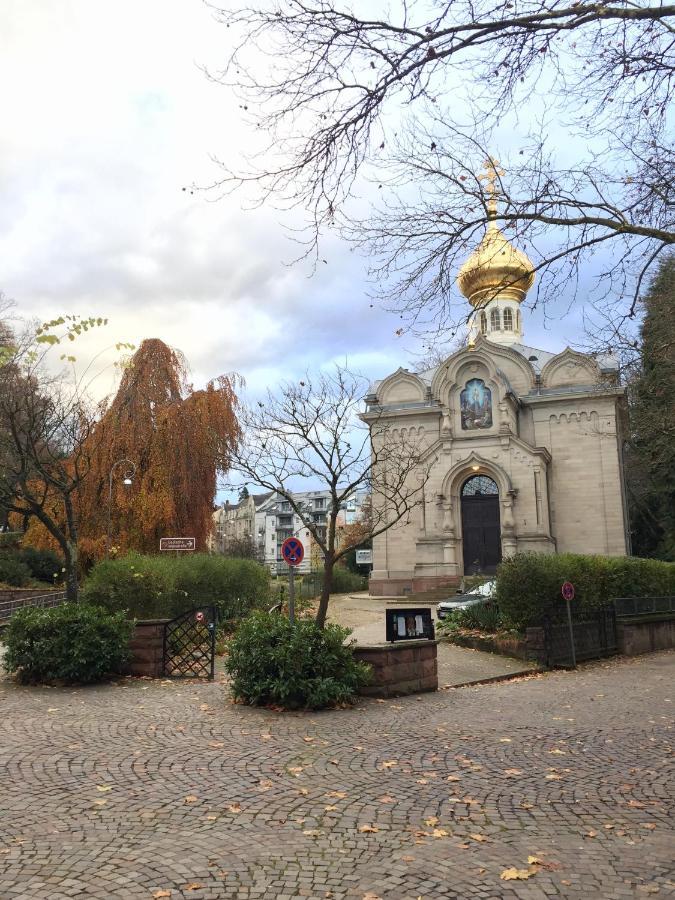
(481, 533)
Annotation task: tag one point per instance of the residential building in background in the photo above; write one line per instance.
(266, 520)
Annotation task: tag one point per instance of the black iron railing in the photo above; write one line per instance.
(45, 601)
(635, 607)
(190, 644)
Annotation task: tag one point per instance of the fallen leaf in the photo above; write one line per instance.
(339, 795)
(517, 874)
(422, 781)
(371, 896)
(368, 829)
(650, 825)
(440, 833)
(504, 740)
(389, 764)
(190, 799)
(526, 805)
(103, 788)
(295, 770)
(554, 777)
(591, 834)
(432, 820)
(557, 752)
(158, 895)
(513, 772)
(533, 860)
(216, 745)
(386, 799)
(100, 802)
(264, 785)
(193, 886)
(303, 791)
(330, 808)
(234, 808)
(478, 837)
(307, 739)
(452, 778)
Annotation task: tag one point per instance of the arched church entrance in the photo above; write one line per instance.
(481, 533)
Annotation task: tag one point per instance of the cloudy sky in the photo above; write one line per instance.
(106, 117)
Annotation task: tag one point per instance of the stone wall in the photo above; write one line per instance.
(640, 636)
(408, 667)
(147, 649)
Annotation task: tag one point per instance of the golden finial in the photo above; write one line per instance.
(492, 175)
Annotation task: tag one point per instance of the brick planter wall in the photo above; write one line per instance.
(644, 636)
(408, 667)
(147, 648)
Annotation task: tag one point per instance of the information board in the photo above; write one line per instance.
(409, 624)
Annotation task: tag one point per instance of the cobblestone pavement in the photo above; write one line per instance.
(165, 789)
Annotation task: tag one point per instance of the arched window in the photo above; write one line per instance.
(508, 320)
(518, 321)
(483, 323)
(494, 320)
(479, 484)
(475, 403)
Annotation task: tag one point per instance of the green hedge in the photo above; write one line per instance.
(72, 642)
(44, 565)
(147, 587)
(528, 584)
(275, 663)
(13, 570)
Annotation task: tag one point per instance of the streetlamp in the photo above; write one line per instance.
(126, 481)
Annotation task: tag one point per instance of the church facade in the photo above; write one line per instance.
(520, 450)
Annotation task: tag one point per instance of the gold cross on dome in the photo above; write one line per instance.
(493, 172)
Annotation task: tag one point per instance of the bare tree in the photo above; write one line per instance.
(414, 98)
(311, 431)
(45, 428)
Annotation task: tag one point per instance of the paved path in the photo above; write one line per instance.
(456, 665)
(164, 789)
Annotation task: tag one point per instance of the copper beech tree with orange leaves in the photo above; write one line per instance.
(177, 438)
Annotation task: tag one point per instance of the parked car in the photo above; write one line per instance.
(481, 594)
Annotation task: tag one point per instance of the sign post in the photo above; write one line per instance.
(293, 553)
(568, 594)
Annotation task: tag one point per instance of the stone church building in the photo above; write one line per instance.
(522, 446)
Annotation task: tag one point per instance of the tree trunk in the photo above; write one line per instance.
(70, 554)
(325, 592)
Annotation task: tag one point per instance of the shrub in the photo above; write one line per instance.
(43, 564)
(483, 616)
(528, 585)
(163, 587)
(127, 585)
(274, 662)
(72, 642)
(345, 581)
(13, 570)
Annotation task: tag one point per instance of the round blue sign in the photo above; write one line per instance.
(292, 551)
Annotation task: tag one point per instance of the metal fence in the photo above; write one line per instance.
(636, 607)
(594, 637)
(45, 601)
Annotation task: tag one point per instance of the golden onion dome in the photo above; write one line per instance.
(495, 269)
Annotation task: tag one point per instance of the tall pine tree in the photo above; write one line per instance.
(651, 457)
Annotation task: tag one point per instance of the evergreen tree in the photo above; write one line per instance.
(651, 456)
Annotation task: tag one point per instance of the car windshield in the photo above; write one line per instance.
(483, 590)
